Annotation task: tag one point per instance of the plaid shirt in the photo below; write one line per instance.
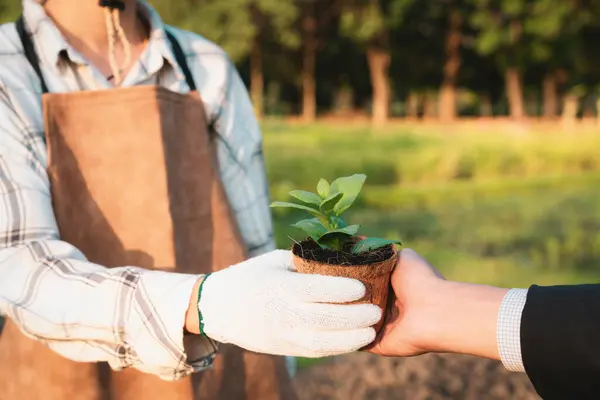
(126, 316)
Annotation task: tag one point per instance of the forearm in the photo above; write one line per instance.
(464, 319)
(83, 311)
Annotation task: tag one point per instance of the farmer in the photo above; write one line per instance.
(130, 169)
(552, 333)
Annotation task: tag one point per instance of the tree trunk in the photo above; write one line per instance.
(343, 101)
(447, 103)
(378, 57)
(588, 108)
(272, 102)
(485, 105)
(430, 104)
(569, 114)
(597, 123)
(309, 58)
(412, 105)
(514, 92)
(550, 94)
(257, 83)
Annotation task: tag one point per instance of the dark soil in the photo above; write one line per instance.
(363, 376)
(310, 250)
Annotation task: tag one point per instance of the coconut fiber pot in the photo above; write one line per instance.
(375, 277)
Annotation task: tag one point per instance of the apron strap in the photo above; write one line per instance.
(181, 60)
(34, 61)
(29, 51)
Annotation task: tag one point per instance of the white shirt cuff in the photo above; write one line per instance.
(508, 331)
(156, 331)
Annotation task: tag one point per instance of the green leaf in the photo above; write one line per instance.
(336, 222)
(329, 203)
(370, 244)
(350, 187)
(337, 238)
(283, 204)
(306, 197)
(312, 227)
(349, 230)
(334, 241)
(323, 188)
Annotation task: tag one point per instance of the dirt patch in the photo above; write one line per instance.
(310, 250)
(364, 376)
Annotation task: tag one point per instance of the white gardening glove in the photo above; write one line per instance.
(263, 305)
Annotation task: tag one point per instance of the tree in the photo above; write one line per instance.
(447, 20)
(416, 71)
(447, 106)
(500, 33)
(369, 23)
(309, 26)
(273, 20)
(241, 27)
(227, 23)
(316, 16)
(519, 33)
(555, 27)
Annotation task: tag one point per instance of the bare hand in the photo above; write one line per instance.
(407, 323)
(427, 313)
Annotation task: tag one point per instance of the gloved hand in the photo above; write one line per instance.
(263, 305)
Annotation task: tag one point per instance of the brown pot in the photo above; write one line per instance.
(376, 278)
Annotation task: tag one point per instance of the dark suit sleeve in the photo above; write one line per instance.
(560, 341)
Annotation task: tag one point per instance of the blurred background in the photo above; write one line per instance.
(476, 121)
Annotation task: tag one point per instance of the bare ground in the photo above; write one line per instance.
(432, 377)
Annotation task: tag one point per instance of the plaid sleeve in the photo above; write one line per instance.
(509, 329)
(126, 316)
(242, 165)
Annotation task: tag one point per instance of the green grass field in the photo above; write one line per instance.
(503, 208)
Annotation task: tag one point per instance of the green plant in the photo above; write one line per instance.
(327, 228)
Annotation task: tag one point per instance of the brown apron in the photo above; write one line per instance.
(134, 182)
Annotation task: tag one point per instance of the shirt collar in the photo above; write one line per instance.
(158, 43)
(50, 44)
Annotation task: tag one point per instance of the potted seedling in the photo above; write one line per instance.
(332, 247)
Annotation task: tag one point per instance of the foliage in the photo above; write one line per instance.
(9, 10)
(545, 37)
(521, 32)
(234, 24)
(327, 228)
(362, 20)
